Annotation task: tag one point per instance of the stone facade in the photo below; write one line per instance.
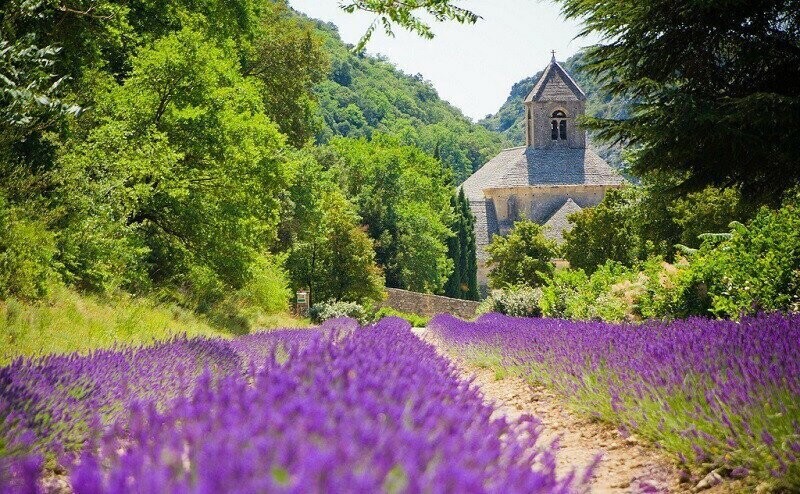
(551, 177)
(428, 305)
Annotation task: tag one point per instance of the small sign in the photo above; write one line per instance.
(301, 303)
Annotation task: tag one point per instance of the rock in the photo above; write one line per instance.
(631, 440)
(709, 481)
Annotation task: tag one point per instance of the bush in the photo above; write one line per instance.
(26, 255)
(563, 286)
(267, 290)
(522, 258)
(415, 320)
(756, 269)
(333, 309)
(604, 232)
(517, 301)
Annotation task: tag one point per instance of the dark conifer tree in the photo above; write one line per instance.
(469, 251)
(453, 286)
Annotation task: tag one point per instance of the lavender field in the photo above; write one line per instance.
(334, 409)
(717, 395)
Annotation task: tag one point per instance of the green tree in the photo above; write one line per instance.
(452, 288)
(185, 159)
(714, 88)
(329, 252)
(604, 232)
(403, 197)
(708, 211)
(287, 56)
(524, 257)
(463, 282)
(756, 269)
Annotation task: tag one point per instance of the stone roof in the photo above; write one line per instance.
(558, 223)
(527, 166)
(555, 85)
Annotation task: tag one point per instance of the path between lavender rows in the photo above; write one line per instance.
(627, 465)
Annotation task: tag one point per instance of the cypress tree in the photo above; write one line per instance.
(452, 287)
(469, 276)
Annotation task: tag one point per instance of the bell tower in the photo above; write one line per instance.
(552, 108)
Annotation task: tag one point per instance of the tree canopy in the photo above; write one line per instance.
(715, 88)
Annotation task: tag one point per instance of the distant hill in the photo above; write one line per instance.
(509, 121)
(366, 94)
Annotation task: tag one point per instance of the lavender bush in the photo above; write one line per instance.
(338, 409)
(715, 393)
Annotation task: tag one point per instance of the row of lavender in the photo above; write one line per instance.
(717, 394)
(346, 410)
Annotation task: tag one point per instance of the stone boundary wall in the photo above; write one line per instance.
(428, 305)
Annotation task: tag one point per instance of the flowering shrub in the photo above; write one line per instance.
(333, 309)
(330, 410)
(518, 301)
(714, 393)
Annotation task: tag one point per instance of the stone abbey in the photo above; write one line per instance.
(553, 175)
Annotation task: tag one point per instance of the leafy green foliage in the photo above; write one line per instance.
(26, 253)
(407, 15)
(756, 269)
(515, 301)
(714, 88)
(521, 258)
(192, 160)
(613, 292)
(152, 147)
(604, 232)
(287, 56)
(329, 253)
(403, 196)
(416, 321)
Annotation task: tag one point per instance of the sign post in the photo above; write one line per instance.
(301, 303)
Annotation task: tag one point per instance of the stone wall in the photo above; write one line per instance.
(428, 305)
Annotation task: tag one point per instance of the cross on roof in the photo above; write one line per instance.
(554, 54)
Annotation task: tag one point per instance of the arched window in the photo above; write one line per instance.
(559, 126)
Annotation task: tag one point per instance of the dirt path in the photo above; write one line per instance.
(627, 465)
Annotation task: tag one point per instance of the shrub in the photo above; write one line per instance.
(522, 258)
(267, 290)
(414, 320)
(333, 309)
(756, 269)
(604, 232)
(559, 289)
(26, 255)
(517, 301)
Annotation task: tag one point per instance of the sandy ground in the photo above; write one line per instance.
(626, 465)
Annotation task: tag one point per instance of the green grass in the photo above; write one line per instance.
(71, 322)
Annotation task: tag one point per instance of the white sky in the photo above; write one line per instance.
(472, 67)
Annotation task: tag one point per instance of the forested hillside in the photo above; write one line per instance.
(509, 118)
(364, 95)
